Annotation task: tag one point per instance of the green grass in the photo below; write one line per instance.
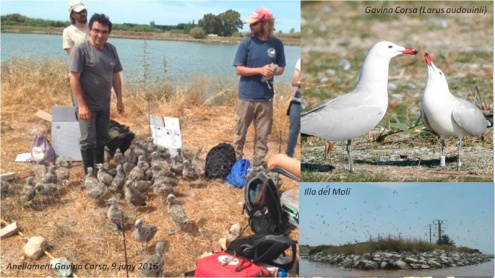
(385, 244)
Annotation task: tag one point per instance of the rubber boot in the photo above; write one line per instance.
(99, 154)
(88, 159)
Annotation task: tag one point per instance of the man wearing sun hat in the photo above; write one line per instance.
(258, 59)
(78, 31)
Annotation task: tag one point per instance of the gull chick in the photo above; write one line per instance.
(176, 212)
(103, 176)
(28, 191)
(188, 171)
(143, 233)
(118, 217)
(89, 180)
(197, 164)
(118, 181)
(157, 261)
(133, 196)
(118, 157)
(50, 176)
(48, 189)
(96, 191)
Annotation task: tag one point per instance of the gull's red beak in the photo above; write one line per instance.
(410, 51)
(427, 59)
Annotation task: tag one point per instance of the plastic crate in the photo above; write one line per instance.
(290, 204)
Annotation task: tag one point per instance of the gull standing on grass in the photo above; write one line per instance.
(118, 217)
(28, 191)
(176, 212)
(157, 262)
(143, 233)
(447, 115)
(354, 114)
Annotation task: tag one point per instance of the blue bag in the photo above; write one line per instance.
(238, 173)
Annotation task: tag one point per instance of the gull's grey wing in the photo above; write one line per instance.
(469, 117)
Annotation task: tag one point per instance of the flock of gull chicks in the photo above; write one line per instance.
(142, 168)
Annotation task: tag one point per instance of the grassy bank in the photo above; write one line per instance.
(68, 221)
(288, 39)
(30, 85)
(384, 244)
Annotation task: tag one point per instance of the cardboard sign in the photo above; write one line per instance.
(166, 133)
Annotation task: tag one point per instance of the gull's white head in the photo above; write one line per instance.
(435, 77)
(389, 50)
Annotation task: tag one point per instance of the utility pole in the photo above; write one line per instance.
(429, 228)
(440, 224)
(439, 230)
(430, 232)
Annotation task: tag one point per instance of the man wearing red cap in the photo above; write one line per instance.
(78, 31)
(258, 59)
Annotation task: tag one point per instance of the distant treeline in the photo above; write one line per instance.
(20, 20)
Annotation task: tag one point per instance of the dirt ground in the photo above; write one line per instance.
(335, 39)
(399, 160)
(84, 235)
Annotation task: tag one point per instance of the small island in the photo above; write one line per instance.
(392, 253)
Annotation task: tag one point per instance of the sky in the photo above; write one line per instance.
(371, 209)
(286, 12)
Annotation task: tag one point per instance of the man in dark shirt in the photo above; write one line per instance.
(94, 70)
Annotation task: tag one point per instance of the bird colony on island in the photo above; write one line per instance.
(354, 114)
(143, 171)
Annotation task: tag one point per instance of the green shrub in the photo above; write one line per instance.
(197, 33)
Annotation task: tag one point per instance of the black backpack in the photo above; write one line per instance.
(261, 248)
(262, 204)
(219, 161)
(119, 136)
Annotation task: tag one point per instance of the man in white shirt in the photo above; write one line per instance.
(78, 31)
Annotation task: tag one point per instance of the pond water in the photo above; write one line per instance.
(183, 59)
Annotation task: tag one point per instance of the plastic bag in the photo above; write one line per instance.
(42, 151)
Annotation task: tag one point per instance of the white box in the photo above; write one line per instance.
(66, 133)
(166, 133)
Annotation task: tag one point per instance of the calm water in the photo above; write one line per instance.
(183, 59)
(307, 268)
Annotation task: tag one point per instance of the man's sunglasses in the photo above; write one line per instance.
(81, 12)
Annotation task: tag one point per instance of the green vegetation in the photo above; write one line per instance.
(197, 33)
(445, 240)
(304, 249)
(224, 24)
(385, 244)
(20, 20)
